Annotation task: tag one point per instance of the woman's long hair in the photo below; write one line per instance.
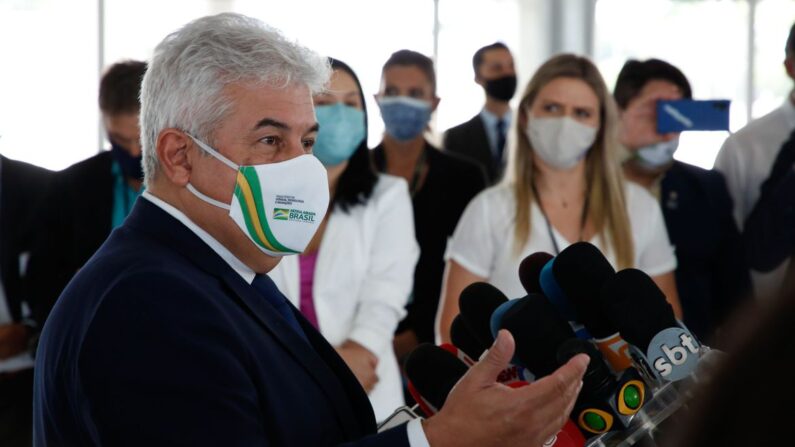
(605, 183)
(357, 181)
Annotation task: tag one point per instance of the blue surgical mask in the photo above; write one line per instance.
(341, 132)
(657, 155)
(404, 118)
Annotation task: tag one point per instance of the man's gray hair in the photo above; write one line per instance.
(183, 85)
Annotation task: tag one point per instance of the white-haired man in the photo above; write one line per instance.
(172, 334)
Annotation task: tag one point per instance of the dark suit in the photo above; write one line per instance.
(158, 341)
(22, 186)
(712, 275)
(76, 221)
(470, 140)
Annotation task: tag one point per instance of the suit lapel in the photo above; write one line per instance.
(319, 360)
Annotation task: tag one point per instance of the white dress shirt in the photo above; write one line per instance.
(745, 160)
(416, 435)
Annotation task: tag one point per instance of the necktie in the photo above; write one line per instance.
(268, 290)
(500, 142)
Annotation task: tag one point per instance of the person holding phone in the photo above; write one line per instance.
(712, 275)
(563, 185)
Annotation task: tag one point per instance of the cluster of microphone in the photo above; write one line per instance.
(576, 303)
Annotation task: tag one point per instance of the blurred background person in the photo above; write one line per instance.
(441, 184)
(22, 186)
(354, 279)
(712, 274)
(89, 199)
(757, 161)
(564, 185)
(482, 138)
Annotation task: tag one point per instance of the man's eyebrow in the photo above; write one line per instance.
(270, 122)
(314, 128)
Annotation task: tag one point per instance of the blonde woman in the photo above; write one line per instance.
(563, 185)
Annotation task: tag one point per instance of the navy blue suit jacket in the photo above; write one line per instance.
(157, 341)
(712, 277)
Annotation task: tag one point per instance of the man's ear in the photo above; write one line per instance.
(172, 152)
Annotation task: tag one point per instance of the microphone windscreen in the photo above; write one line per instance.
(538, 331)
(598, 377)
(476, 303)
(581, 270)
(637, 307)
(530, 271)
(433, 371)
(463, 339)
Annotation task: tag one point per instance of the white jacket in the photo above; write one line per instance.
(363, 279)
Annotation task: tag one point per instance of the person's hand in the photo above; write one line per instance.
(361, 361)
(481, 412)
(404, 343)
(639, 120)
(13, 339)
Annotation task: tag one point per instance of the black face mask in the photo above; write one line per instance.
(501, 88)
(130, 166)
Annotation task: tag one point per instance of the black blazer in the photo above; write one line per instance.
(22, 187)
(712, 275)
(158, 341)
(76, 220)
(470, 140)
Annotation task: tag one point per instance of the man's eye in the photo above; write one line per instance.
(270, 140)
(308, 144)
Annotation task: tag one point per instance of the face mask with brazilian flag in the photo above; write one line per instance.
(279, 206)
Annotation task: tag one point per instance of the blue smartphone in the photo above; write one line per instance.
(687, 114)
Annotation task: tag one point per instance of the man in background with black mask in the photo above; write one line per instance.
(482, 138)
(90, 198)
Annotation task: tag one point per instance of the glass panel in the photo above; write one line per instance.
(48, 85)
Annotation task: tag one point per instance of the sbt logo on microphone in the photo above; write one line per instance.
(673, 353)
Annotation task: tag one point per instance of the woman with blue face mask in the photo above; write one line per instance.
(712, 275)
(441, 183)
(354, 279)
(563, 185)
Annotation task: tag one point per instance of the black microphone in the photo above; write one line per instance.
(530, 271)
(580, 271)
(660, 346)
(538, 331)
(604, 403)
(476, 303)
(432, 372)
(463, 339)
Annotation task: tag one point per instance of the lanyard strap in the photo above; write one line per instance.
(583, 218)
(417, 175)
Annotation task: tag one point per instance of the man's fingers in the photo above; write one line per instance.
(498, 357)
(557, 392)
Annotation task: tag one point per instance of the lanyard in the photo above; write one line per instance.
(583, 218)
(417, 175)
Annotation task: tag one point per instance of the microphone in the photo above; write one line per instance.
(463, 339)
(604, 403)
(432, 372)
(530, 271)
(537, 330)
(580, 271)
(458, 353)
(476, 303)
(660, 347)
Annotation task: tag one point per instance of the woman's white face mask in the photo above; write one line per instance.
(561, 142)
(279, 206)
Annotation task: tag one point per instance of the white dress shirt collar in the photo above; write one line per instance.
(237, 265)
(788, 108)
